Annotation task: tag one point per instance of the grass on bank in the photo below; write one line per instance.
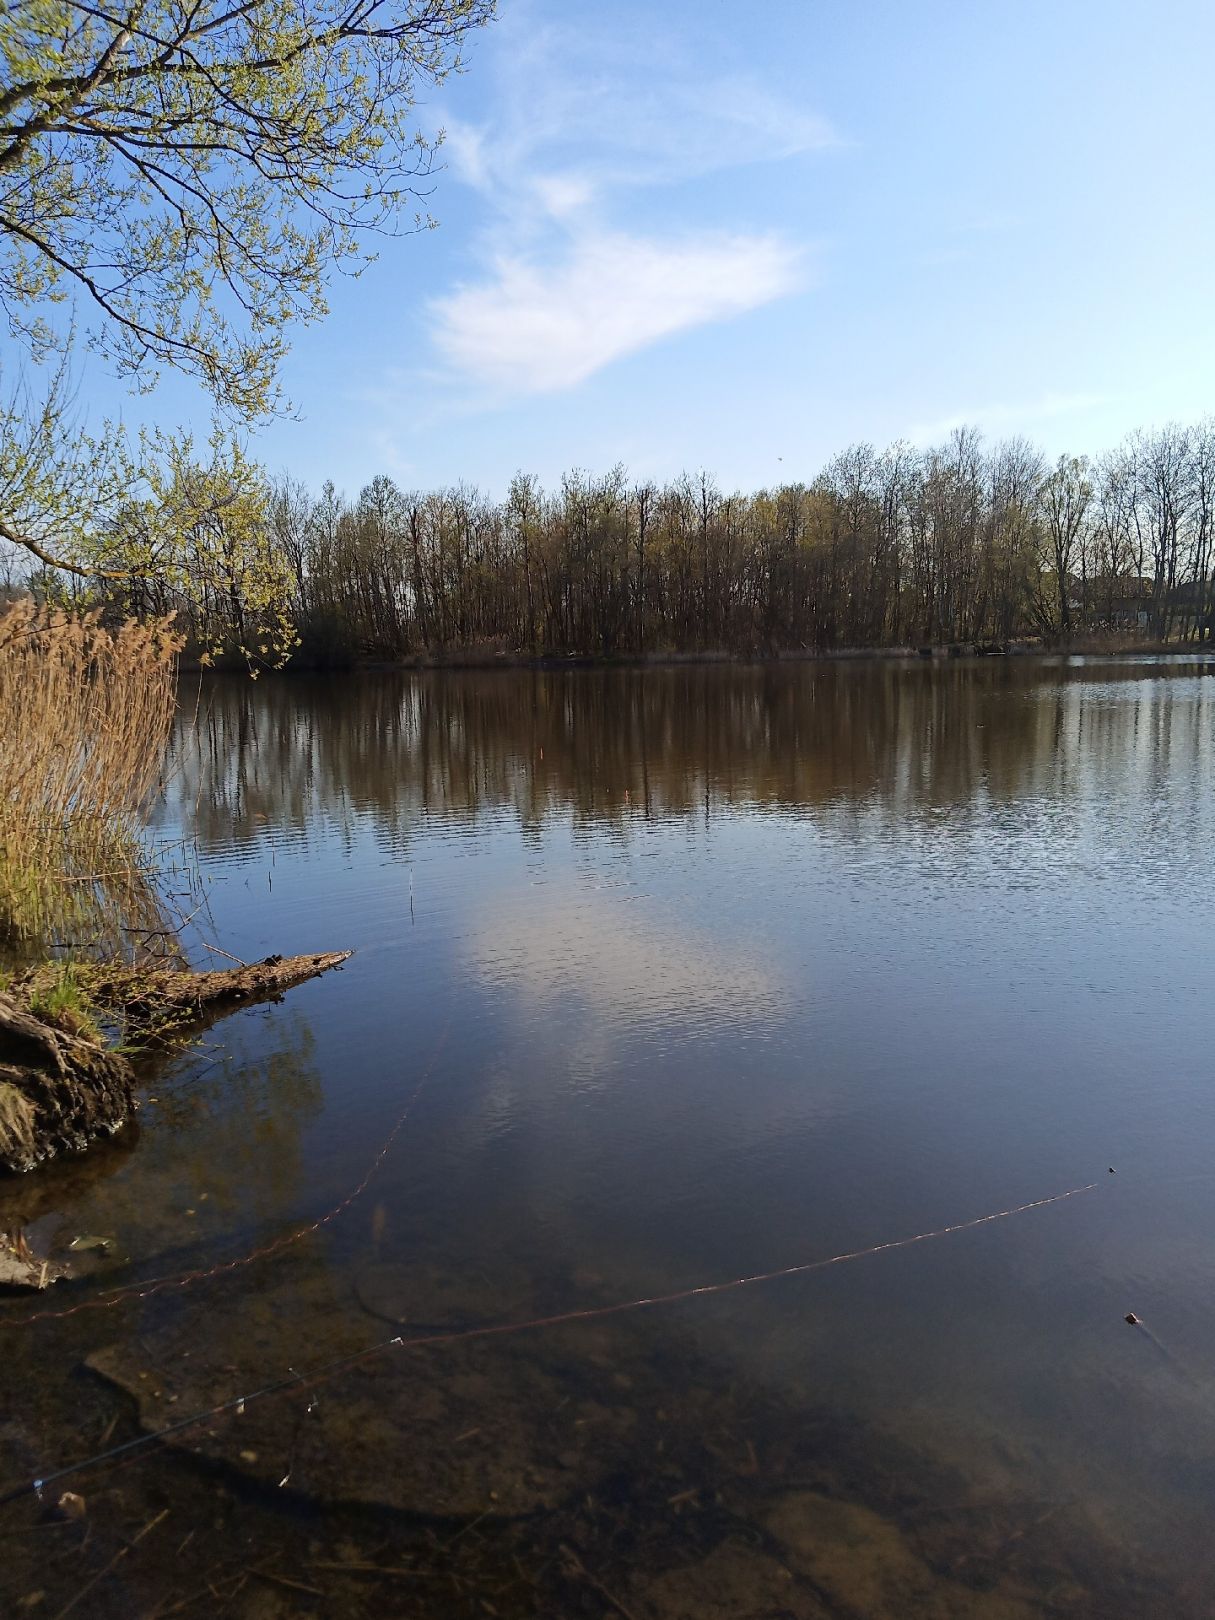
(85, 716)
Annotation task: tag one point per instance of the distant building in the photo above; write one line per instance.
(1114, 602)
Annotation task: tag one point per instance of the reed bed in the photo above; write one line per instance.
(85, 716)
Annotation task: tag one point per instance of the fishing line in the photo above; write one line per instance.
(299, 1382)
(185, 1279)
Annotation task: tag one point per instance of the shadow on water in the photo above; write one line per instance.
(694, 972)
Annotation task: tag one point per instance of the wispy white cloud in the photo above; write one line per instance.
(572, 100)
(1008, 415)
(535, 326)
(574, 133)
(465, 154)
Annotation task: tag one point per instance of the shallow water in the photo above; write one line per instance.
(701, 972)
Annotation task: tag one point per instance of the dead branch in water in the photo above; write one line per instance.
(149, 994)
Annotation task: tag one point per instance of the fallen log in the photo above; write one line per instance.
(60, 1089)
(154, 994)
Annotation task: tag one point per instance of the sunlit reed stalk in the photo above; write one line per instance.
(85, 716)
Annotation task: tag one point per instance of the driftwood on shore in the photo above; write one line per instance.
(59, 1090)
(164, 992)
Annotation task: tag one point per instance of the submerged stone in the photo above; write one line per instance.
(735, 1579)
(867, 1565)
(484, 1427)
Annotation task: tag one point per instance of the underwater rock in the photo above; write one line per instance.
(866, 1565)
(445, 1433)
(447, 1444)
(421, 1298)
(735, 1579)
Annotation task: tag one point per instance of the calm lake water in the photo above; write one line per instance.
(684, 975)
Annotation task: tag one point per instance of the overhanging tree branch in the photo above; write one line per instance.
(163, 154)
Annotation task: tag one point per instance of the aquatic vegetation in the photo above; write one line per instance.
(87, 714)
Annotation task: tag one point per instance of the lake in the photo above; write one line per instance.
(664, 978)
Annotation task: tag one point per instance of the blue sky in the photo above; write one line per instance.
(697, 234)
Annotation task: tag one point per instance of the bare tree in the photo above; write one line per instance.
(1065, 496)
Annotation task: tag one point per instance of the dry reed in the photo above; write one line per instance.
(85, 715)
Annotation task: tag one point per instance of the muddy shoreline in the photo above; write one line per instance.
(63, 1083)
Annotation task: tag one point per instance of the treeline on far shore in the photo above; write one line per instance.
(964, 542)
